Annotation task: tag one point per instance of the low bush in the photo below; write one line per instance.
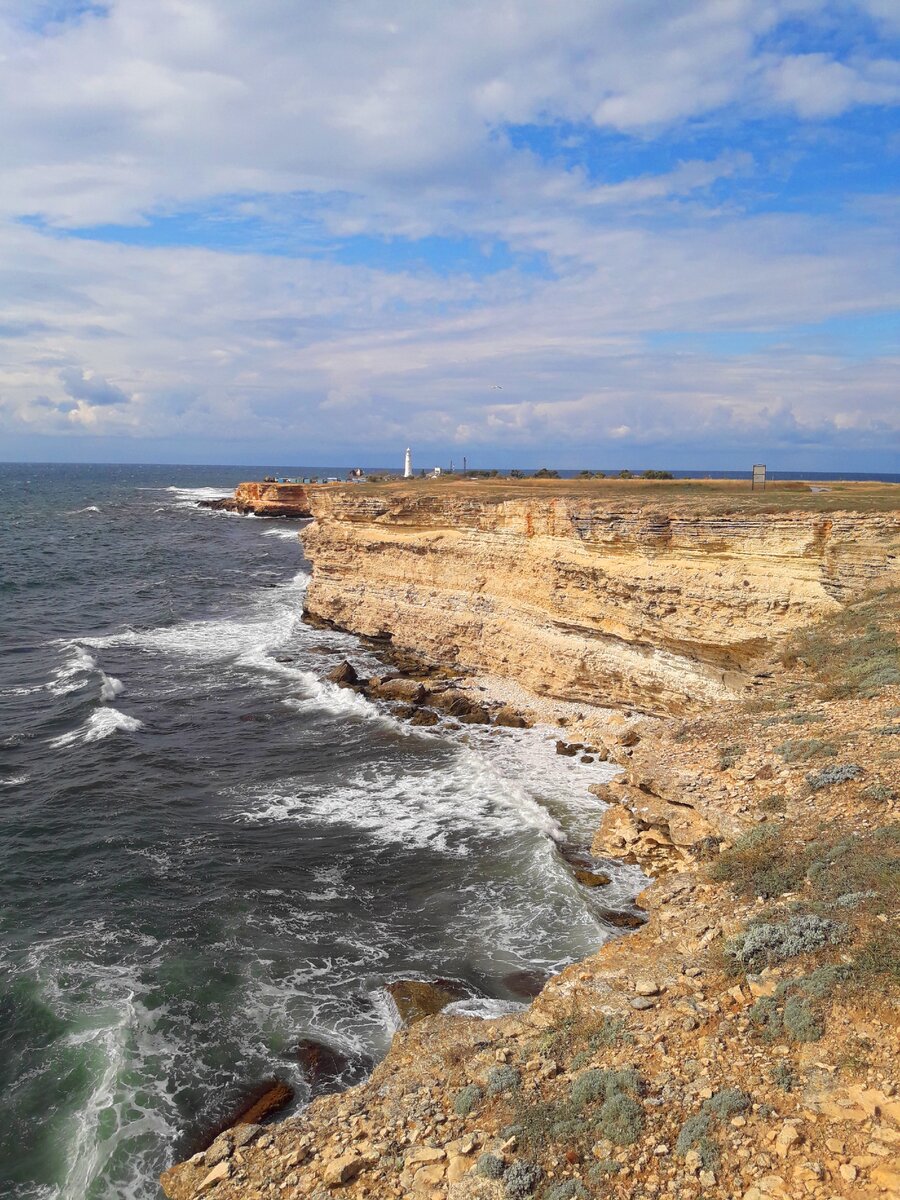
(783, 1077)
(521, 1179)
(466, 1099)
(566, 1189)
(598, 1084)
(490, 1166)
(880, 955)
(803, 749)
(774, 942)
(761, 863)
(726, 1103)
(801, 1023)
(695, 1135)
(830, 776)
(621, 1119)
(503, 1079)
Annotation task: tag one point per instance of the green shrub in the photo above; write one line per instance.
(761, 863)
(783, 1077)
(726, 1102)
(520, 1179)
(800, 1022)
(802, 750)
(880, 955)
(729, 755)
(834, 775)
(777, 941)
(566, 1189)
(490, 1166)
(503, 1079)
(600, 1171)
(695, 1135)
(598, 1084)
(466, 1099)
(621, 1119)
(878, 791)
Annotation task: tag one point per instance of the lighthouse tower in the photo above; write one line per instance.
(407, 465)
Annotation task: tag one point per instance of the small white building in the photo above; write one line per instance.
(407, 465)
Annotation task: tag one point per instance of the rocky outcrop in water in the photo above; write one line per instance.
(265, 500)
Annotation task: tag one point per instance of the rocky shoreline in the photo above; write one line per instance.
(741, 1043)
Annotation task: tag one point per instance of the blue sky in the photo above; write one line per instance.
(598, 232)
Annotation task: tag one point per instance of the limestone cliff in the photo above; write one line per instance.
(605, 602)
(265, 500)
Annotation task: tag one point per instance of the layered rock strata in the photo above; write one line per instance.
(598, 602)
(265, 500)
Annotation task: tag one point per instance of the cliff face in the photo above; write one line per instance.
(598, 602)
(266, 500)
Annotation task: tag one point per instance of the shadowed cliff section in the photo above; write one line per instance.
(661, 600)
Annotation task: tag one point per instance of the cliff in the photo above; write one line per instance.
(265, 500)
(664, 608)
(743, 1042)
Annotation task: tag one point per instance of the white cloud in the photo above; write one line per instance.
(163, 102)
(384, 118)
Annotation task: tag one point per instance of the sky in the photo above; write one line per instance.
(587, 233)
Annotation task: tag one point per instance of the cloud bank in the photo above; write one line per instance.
(664, 228)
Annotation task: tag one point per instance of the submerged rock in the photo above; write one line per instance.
(270, 1097)
(526, 983)
(327, 1069)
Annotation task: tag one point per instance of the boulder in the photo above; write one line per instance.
(344, 674)
(343, 1169)
(620, 920)
(424, 716)
(507, 715)
(591, 879)
(409, 690)
(477, 715)
(417, 998)
(569, 750)
(453, 702)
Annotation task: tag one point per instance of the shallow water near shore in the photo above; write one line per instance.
(208, 854)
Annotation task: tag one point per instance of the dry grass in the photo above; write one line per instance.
(703, 495)
(854, 653)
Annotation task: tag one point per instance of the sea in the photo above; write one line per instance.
(209, 853)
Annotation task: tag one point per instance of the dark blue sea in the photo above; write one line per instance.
(207, 853)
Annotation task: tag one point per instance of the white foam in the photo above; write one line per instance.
(430, 808)
(100, 724)
(110, 687)
(73, 512)
(289, 535)
(14, 781)
(483, 1007)
(271, 617)
(72, 674)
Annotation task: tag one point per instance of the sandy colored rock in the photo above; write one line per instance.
(599, 600)
(343, 1169)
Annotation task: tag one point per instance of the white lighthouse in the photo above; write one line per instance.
(407, 465)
